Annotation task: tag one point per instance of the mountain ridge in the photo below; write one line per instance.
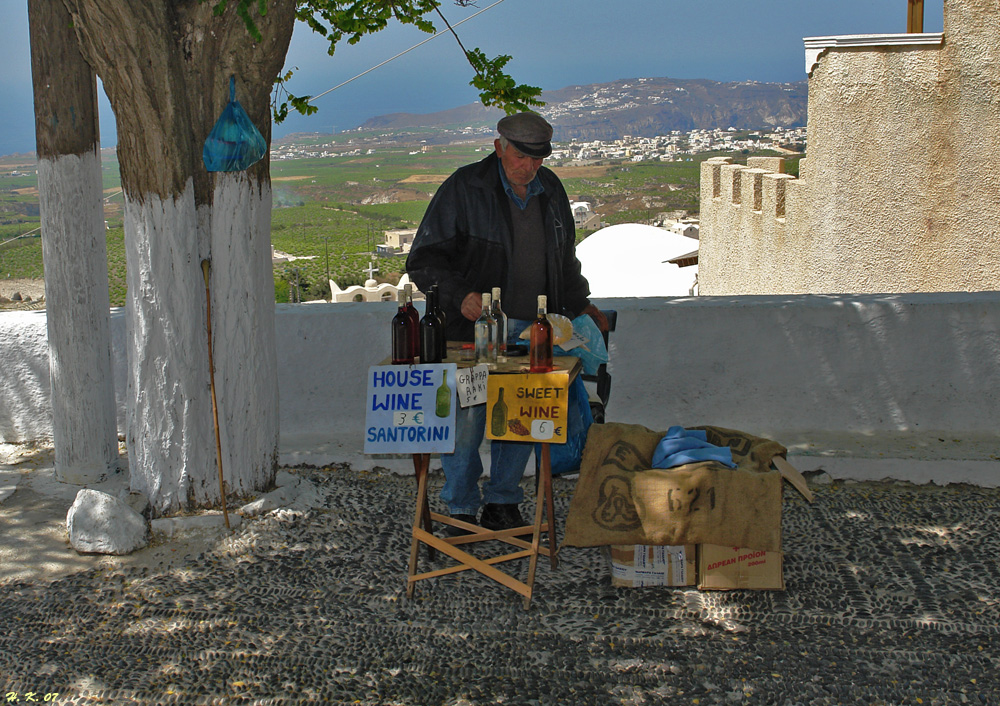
(640, 107)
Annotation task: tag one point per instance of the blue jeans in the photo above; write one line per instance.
(463, 468)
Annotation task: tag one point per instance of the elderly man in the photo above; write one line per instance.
(502, 222)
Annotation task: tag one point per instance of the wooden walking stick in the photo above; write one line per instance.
(205, 266)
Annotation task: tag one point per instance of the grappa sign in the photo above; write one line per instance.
(528, 407)
(410, 409)
(471, 385)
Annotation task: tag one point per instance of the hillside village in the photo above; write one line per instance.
(676, 146)
(680, 145)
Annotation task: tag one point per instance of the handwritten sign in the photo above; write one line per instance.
(528, 407)
(471, 384)
(410, 409)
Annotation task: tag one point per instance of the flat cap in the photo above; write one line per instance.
(528, 132)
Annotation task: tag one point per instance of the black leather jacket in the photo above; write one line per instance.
(464, 245)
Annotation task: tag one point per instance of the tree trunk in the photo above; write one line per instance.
(74, 247)
(166, 69)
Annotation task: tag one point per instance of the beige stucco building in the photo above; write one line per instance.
(901, 188)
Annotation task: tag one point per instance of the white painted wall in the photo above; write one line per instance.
(862, 386)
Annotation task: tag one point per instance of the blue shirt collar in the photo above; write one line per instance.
(534, 188)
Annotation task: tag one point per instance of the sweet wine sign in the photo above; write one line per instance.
(410, 409)
(528, 407)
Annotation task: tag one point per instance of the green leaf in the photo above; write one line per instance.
(352, 20)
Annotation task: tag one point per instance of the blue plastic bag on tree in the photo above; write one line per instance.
(234, 143)
(565, 458)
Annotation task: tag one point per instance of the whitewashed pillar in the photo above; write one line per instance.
(74, 249)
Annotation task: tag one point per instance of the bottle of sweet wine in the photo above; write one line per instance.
(414, 320)
(540, 355)
(501, 318)
(442, 402)
(498, 416)
(486, 333)
(431, 332)
(402, 349)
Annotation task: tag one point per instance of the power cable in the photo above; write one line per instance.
(433, 36)
(23, 235)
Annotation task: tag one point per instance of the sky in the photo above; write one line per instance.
(554, 44)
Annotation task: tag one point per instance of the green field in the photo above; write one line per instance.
(334, 210)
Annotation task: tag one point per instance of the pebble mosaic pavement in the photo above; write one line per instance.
(893, 597)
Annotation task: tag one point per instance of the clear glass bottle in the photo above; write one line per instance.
(402, 349)
(431, 332)
(486, 333)
(414, 319)
(540, 355)
(501, 318)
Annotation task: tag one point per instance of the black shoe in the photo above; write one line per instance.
(500, 516)
(451, 531)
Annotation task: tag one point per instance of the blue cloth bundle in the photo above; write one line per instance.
(680, 446)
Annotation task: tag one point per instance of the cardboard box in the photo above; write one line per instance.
(638, 565)
(727, 568)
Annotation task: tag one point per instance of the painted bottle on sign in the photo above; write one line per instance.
(442, 405)
(498, 416)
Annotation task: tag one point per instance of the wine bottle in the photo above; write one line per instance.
(540, 355)
(486, 332)
(501, 318)
(402, 349)
(498, 416)
(414, 321)
(439, 312)
(442, 406)
(431, 332)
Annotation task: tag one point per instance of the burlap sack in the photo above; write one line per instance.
(619, 499)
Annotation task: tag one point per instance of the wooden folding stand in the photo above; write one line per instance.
(424, 518)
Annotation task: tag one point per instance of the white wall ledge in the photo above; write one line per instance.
(862, 386)
(815, 46)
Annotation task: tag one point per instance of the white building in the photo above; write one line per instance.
(633, 260)
(583, 217)
(372, 291)
(397, 242)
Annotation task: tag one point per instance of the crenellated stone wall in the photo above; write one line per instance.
(750, 223)
(901, 188)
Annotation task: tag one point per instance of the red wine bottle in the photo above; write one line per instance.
(540, 355)
(402, 349)
(414, 321)
(431, 331)
(444, 321)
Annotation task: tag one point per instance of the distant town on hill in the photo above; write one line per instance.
(639, 107)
